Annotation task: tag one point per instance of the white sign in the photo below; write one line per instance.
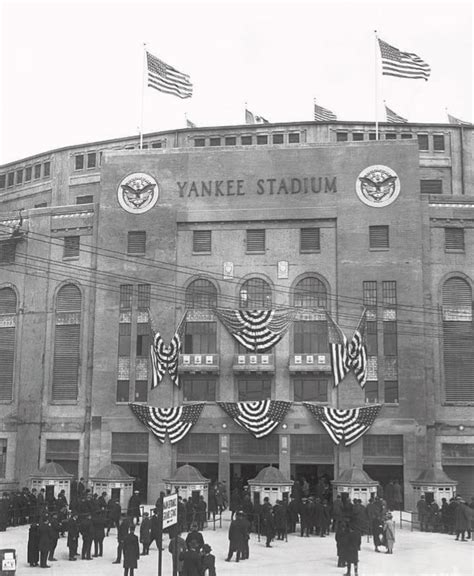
(170, 510)
(8, 564)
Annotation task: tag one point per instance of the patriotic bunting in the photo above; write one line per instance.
(177, 421)
(165, 358)
(256, 330)
(348, 355)
(260, 417)
(345, 426)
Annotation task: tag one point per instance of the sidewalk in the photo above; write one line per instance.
(415, 554)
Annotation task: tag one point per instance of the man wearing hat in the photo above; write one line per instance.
(389, 532)
(133, 510)
(208, 561)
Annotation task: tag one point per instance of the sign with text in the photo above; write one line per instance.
(170, 510)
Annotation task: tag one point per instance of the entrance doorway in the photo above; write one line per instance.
(139, 471)
(241, 473)
(315, 475)
(383, 474)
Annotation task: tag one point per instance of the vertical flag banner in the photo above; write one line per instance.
(260, 417)
(345, 426)
(323, 114)
(402, 64)
(165, 358)
(393, 117)
(165, 78)
(176, 421)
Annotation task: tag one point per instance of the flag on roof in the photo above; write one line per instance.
(251, 118)
(393, 117)
(402, 64)
(190, 124)
(260, 417)
(323, 114)
(345, 426)
(454, 120)
(176, 421)
(165, 78)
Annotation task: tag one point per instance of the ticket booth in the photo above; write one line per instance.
(272, 483)
(53, 478)
(113, 480)
(434, 484)
(189, 483)
(355, 483)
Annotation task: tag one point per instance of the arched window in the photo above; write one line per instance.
(311, 335)
(458, 339)
(201, 294)
(310, 293)
(8, 312)
(67, 343)
(255, 294)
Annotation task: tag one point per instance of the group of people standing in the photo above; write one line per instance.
(455, 517)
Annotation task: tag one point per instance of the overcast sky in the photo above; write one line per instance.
(71, 72)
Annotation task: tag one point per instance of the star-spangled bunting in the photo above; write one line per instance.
(164, 358)
(345, 426)
(256, 330)
(176, 421)
(259, 417)
(347, 355)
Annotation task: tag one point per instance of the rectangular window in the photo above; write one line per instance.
(79, 162)
(246, 140)
(431, 186)
(438, 142)
(19, 176)
(91, 160)
(88, 199)
(199, 390)
(143, 340)
(382, 445)
(371, 337)
(200, 338)
(144, 293)
(47, 169)
(28, 172)
(126, 293)
(423, 143)
(7, 252)
(251, 389)
(372, 136)
(341, 136)
(293, 138)
(310, 389)
(37, 171)
(195, 443)
(10, 179)
(357, 136)
(390, 136)
(129, 446)
(156, 144)
(230, 141)
(262, 139)
(71, 246)
(406, 136)
(123, 391)
(136, 242)
(141, 390)
(125, 338)
(369, 288)
(3, 181)
(389, 293)
(41, 205)
(391, 391)
(3, 457)
(389, 338)
(378, 237)
(215, 142)
(310, 240)
(454, 239)
(310, 336)
(202, 241)
(277, 138)
(199, 142)
(256, 241)
(371, 389)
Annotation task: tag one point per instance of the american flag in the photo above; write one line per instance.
(165, 358)
(251, 118)
(345, 426)
(323, 114)
(393, 117)
(177, 421)
(260, 417)
(165, 78)
(454, 120)
(402, 64)
(256, 330)
(347, 355)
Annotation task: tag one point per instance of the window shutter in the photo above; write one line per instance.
(255, 240)
(129, 446)
(438, 142)
(454, 239)
(71, 246)
(7, 357)
(310, 240)
(66, 362)
(431, 186)
(378, 237)
(202, 241)
(136, 242)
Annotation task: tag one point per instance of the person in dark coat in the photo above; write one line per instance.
(337, 512)
(192, 561)
(340, 533)
(145, 533)
(122, 532)
(292, 513)
(208, 561)
(279, 516)
(133, 509)
(131, 552)
(462, 520)
(195, 536)
(237, 536)
(422, 509)
(55, 528)
(98, 532)
(350, 545)
(4, 511)
(201, 512)
(44, 542)
(175, 547)
(305, 517)
(72, 536)
(156, 534)
(114, 513)
(268, 521)
(235, 502)
(33, 545)
(86, 530)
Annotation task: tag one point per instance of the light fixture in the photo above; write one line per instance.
(224, 425)
(460, 427)
(284, 426)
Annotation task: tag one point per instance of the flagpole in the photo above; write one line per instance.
(143, 96)
(376, 88)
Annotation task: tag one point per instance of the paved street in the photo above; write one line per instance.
(415, 554)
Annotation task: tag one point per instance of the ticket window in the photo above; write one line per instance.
(195, 494)
(115, 494)
(256, 499)
(49, 493)
(429, 497)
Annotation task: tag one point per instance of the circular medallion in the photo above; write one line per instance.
(138, 192)
(378, 186)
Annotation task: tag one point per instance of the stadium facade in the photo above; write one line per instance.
(102, 240)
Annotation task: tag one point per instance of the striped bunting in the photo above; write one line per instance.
(347, 355)
(260, 417)
(165, 358)
(345, 426)
(256, 330)
(177, 421)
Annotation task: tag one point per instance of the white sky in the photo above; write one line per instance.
(71, 72)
